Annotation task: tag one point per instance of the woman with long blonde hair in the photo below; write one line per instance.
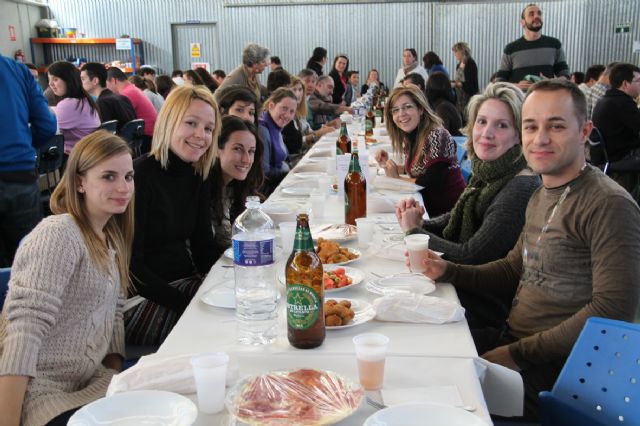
(173, 246)
(61, 329)
(429, 151)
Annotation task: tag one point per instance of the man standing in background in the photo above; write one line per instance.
(533, 56)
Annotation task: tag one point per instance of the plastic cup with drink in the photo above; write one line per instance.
(365, 231)
(418, 248)
(371, 351)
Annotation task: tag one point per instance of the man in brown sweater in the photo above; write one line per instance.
(578, 255)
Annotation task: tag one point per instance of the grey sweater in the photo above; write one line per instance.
(62, 316)
(500, 227)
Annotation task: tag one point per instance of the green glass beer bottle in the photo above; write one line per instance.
(343, 143)
(305, 291)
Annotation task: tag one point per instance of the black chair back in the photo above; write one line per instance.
(49, 161)
(133, 133)
(110, 126)
(598, 150)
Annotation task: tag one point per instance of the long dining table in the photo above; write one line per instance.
(420, 355)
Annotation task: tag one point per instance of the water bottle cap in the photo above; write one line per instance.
(253, 201)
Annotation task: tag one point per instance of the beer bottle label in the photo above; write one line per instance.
(303, 306)
(368, 125)
(303, 239)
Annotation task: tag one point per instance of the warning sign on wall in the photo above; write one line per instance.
(195, 50)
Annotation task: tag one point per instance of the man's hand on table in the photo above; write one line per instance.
(502, 356)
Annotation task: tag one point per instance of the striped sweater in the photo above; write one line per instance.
(62, 316)
(522, 57)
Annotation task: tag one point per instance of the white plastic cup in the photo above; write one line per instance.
(371, 351)
(418, 247)
(287, 235)
(210, 372)
(365, 231)
(318, 202)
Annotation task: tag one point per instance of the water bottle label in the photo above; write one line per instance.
(253, 253)
(303, 306)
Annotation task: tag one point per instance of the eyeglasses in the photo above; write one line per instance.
(404, 108)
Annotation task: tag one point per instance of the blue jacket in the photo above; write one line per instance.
(22, 104)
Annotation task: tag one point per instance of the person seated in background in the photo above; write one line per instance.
(117, 83)
(219, 76)
(110, 105)
(165, 85)
(177, 77)
(76, 113)
(148, 87)
(599, 89)
(238, 101)
(409, 66)
(309, 79)
(591, 77)
(207, 79)
(148, 72)
(617, 117)
(173, 245)
(280, 108)
(317, 60)
(487, 219)
(33, 70)
(278, 78)
(324, 112)
(191, 78)
(578, 255)
(338, 73)
(430, 152)
(373, 78)
(62, 334)
(236, 174)
(414, 80)
(254, 61)
(441, 101)
(353, 87)
(577, 78)
(433, 64)
(275, 63)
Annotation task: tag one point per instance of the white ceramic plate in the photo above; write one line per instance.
(221, 296)
(364, 312)
(309, 175)
(402, 283)
(334, 232)
(299, 190)
(415, 415)
(149, 407)
(357, 276)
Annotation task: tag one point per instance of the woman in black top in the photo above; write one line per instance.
(441, 100)
(173, 246)
(465, 81)
(339, 75)
(317, 60)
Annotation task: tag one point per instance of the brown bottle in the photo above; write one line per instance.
(369, 122)
(343, 144)
(305, 291)
(355, 190)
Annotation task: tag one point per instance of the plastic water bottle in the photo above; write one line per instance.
(256, 289)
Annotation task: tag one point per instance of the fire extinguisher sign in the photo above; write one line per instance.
(12, 33)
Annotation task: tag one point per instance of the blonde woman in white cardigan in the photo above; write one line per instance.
(61, 330)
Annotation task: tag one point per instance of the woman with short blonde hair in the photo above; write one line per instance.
(465, 81)
(173, 244)
(62, 333)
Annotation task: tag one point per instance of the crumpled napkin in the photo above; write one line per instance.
(385, 182)
(417, 309)
(172, 374)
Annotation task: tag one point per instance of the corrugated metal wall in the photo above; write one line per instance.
(371, 34)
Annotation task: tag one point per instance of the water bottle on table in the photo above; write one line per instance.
(256, 290)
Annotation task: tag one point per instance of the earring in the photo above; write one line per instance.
(81, 190)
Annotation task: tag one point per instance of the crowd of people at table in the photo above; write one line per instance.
(535, 242)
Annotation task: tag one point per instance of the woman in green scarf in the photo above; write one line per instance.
(488, 217)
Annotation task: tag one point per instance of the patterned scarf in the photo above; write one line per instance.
(278, 154)
(488, 178)
(412, 66)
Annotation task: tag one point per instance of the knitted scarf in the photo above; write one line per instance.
(488, 178)
(408, 68)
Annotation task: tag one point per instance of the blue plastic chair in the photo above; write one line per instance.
(463, 160)
(600, 382)
(5, 274)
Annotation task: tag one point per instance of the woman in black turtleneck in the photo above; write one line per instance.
(173, 246)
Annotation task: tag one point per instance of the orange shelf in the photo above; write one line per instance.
(79, 40)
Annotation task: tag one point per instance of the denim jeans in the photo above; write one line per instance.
(20, 212)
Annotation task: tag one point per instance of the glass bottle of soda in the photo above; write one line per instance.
(369, 122)
(343, 143)
(305, 291)
(355, 190)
